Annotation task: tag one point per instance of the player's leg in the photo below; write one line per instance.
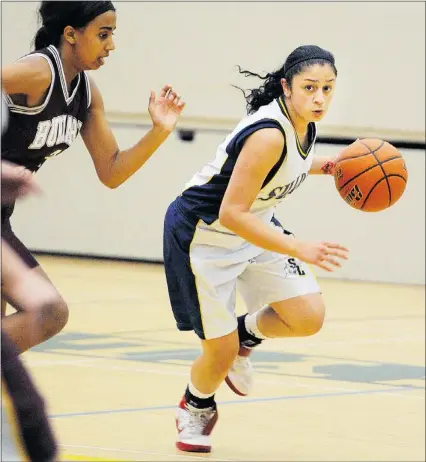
(41, 312)
(299, 316)
(26, 431)
(201, 288)
(296, 317)
(197, 413)
(291, 306)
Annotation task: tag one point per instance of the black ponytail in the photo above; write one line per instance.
(266, 93)
(43, 39)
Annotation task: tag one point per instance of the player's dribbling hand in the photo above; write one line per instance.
(16, 182)
(166, 108)
(326, 255)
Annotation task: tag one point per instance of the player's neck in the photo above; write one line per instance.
(70, 70)
(300, 125)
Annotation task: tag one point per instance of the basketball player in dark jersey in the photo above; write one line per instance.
(26, 433)
(52, 100)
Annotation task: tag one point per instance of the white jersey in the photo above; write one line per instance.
(203, 194)
(205, 262)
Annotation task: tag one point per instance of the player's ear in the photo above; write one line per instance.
(69, 35)
(286, 88)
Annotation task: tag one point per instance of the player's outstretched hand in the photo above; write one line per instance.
(326, 255)
(166, 108)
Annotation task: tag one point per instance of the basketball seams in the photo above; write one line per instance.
(362, 155)
(353, 157)
(383, 170)
(368, 169)
(377, 183)
(374, 150)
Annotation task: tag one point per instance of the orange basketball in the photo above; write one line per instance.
(370, 175)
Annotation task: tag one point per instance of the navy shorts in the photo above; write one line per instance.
(178, 234)
(206, 266)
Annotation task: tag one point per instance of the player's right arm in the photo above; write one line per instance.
(260, 153)
(29, 76)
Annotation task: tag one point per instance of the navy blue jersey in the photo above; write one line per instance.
(36, 133)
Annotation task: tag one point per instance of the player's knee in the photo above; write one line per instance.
(53, 315)
(222, 352)
(307, 319)
(311, 322)
(310, 326)
(223, 360)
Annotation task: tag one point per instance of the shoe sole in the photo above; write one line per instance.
(232, 387)
(192, 447)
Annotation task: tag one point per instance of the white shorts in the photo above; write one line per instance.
(204, 270)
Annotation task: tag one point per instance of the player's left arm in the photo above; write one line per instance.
(323, 165)
(115, 166)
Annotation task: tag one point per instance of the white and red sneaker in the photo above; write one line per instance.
(240, 376)
(194, 427)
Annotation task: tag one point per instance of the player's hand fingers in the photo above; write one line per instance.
(165, 90)
(338, 253)
(181, 104)
(324, 266)
(171, 96)
(332, 261)
(333, 245)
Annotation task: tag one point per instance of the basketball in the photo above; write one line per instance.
(370, 175)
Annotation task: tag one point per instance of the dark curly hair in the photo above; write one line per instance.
(299, 60)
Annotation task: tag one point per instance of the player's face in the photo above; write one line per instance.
(311, 92)
(95, 41)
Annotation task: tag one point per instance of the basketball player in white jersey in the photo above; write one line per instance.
(221, 233)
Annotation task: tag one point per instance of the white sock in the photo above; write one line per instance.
(251, 325)
(193, 390)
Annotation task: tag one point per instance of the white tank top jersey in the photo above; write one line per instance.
(203, 194)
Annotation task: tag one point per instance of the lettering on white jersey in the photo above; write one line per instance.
(280, 192)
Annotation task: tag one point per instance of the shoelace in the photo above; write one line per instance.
(241, 362)
(196, 420)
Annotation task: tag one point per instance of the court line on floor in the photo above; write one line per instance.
(59, 362)
(327, 320)
(83, 458)
(260, 372)
(365, 341)
(185, 374)
(149, 453)
(90, 363)
(245, 401)
(70, 352)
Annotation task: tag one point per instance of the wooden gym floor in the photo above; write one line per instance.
(113, 377)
